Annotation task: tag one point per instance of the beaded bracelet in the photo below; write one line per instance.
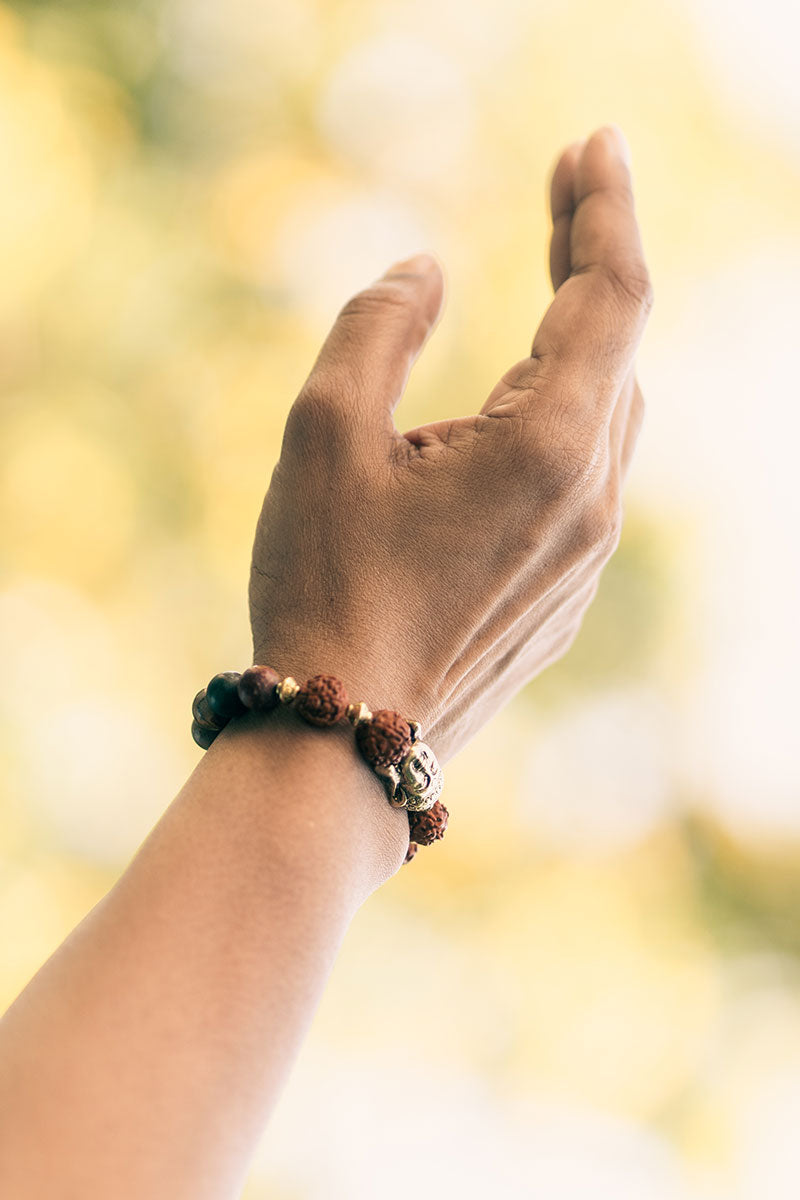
(388, 742)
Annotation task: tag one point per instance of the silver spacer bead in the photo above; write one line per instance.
(391, 781)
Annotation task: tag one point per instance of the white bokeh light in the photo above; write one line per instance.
(96, 770)
(720, 441)
(597, 777)
(751, 49)
(479, 35)
(768, 1147)
(327, 251)
(383, 1125)
(100, 774)
(53, 641)
(399, 106)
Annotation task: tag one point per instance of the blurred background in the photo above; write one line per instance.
(606, 947)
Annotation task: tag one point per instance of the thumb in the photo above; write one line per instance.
(364, 364)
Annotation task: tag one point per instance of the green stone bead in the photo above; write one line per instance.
(223, 697)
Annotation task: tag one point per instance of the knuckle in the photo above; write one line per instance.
(643, 289)
(613, 528)
(630, 281)
(571, 455)
(599, 526)
(639, 406)
(565, 475)
(524, 379)
(636, 420)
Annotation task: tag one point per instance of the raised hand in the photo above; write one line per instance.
(437, 571)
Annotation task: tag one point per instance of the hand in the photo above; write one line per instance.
(437, 571)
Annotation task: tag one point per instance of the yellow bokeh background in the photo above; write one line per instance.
(592, 987)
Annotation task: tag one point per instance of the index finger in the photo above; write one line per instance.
(596, 319)
(599, 311)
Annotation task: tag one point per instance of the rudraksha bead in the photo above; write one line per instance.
(203, 737)
(385, 739)
(203, 715)
(257, 688)
(410, 852)
(223, 696)
(427, 827)
(321, 700)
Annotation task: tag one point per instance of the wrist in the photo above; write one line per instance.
(327, 807)
(369, 671)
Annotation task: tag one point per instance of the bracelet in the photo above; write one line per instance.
(389, 743)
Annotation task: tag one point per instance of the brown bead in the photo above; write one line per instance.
(385, 739)
(257, 688)
(427, 827)
(412, 850)
(203, 715)
(321, 700)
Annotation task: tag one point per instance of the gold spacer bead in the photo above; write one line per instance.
(357, 714)
(287, 689)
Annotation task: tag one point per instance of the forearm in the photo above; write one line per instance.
(149, 1048)
(143, 1058)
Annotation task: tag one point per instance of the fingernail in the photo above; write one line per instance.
(622, 144)
(418, 264)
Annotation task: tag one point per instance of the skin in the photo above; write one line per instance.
(144, 1057)
(535, 477)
